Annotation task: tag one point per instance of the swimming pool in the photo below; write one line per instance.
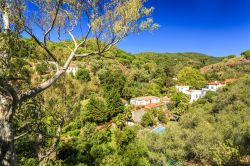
(159, 130)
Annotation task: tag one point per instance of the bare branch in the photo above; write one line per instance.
(23, 134)
(40, 43)
(86, 37)
(73, 38)
(86, 54)
(53, 22)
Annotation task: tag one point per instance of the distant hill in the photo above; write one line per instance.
(228, 68)
(196, 60)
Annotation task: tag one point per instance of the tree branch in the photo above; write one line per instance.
(53, 147)
(53, 22)
(17, 137)
(40, 44)
(41, 87)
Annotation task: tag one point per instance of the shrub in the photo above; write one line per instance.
(246, 54)
(41, 68)
(83, 74)
(147, 120)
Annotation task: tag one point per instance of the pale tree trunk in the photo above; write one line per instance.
(7, 150)
(6, 23)
(7, 106)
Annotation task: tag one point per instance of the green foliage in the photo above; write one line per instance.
(162, 116)
(208, 98)
(82, 74)
(114, 102)
(113, 84)
(192, 77)
(121, 119)
(225, 154)
(179, 103)
(228, 68)
(96, 110)
(246, 54)
(147, 119)
(229, 56)
(214, 130)
(41, 68)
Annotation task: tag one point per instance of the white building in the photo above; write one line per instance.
(72, 69)
(194, 94)
(142, 101)
(213, 86)
(182, 88)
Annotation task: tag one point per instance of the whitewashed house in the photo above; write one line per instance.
(72, 69)
(194, 94)
(182, 88)
(142, 101)
(213, 86)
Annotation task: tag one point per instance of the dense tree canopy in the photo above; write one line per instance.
(192, 77)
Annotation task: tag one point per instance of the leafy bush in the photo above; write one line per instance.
(246, 54)
(83, 74)
(147, 119)
(41, 68)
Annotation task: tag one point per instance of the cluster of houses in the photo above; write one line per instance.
(196, 94)
(142, 104)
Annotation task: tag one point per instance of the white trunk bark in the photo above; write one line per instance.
(7, 149)
(6, 18)
(6, 23)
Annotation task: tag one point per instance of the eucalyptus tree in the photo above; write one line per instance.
(107, 22)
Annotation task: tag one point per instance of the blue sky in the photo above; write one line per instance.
(213, 27)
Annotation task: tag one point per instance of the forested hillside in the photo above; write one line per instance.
(70, 97)
(82, 119)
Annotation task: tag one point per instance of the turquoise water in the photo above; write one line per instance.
(159, 130)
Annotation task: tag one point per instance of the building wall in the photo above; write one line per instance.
(156, 100)
(214, 87)
(145, 102)
(139, 102)
(195, 95)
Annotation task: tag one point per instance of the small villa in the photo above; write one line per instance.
(194, 94)
(72, 69)
(142, 101)
(211, 86)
